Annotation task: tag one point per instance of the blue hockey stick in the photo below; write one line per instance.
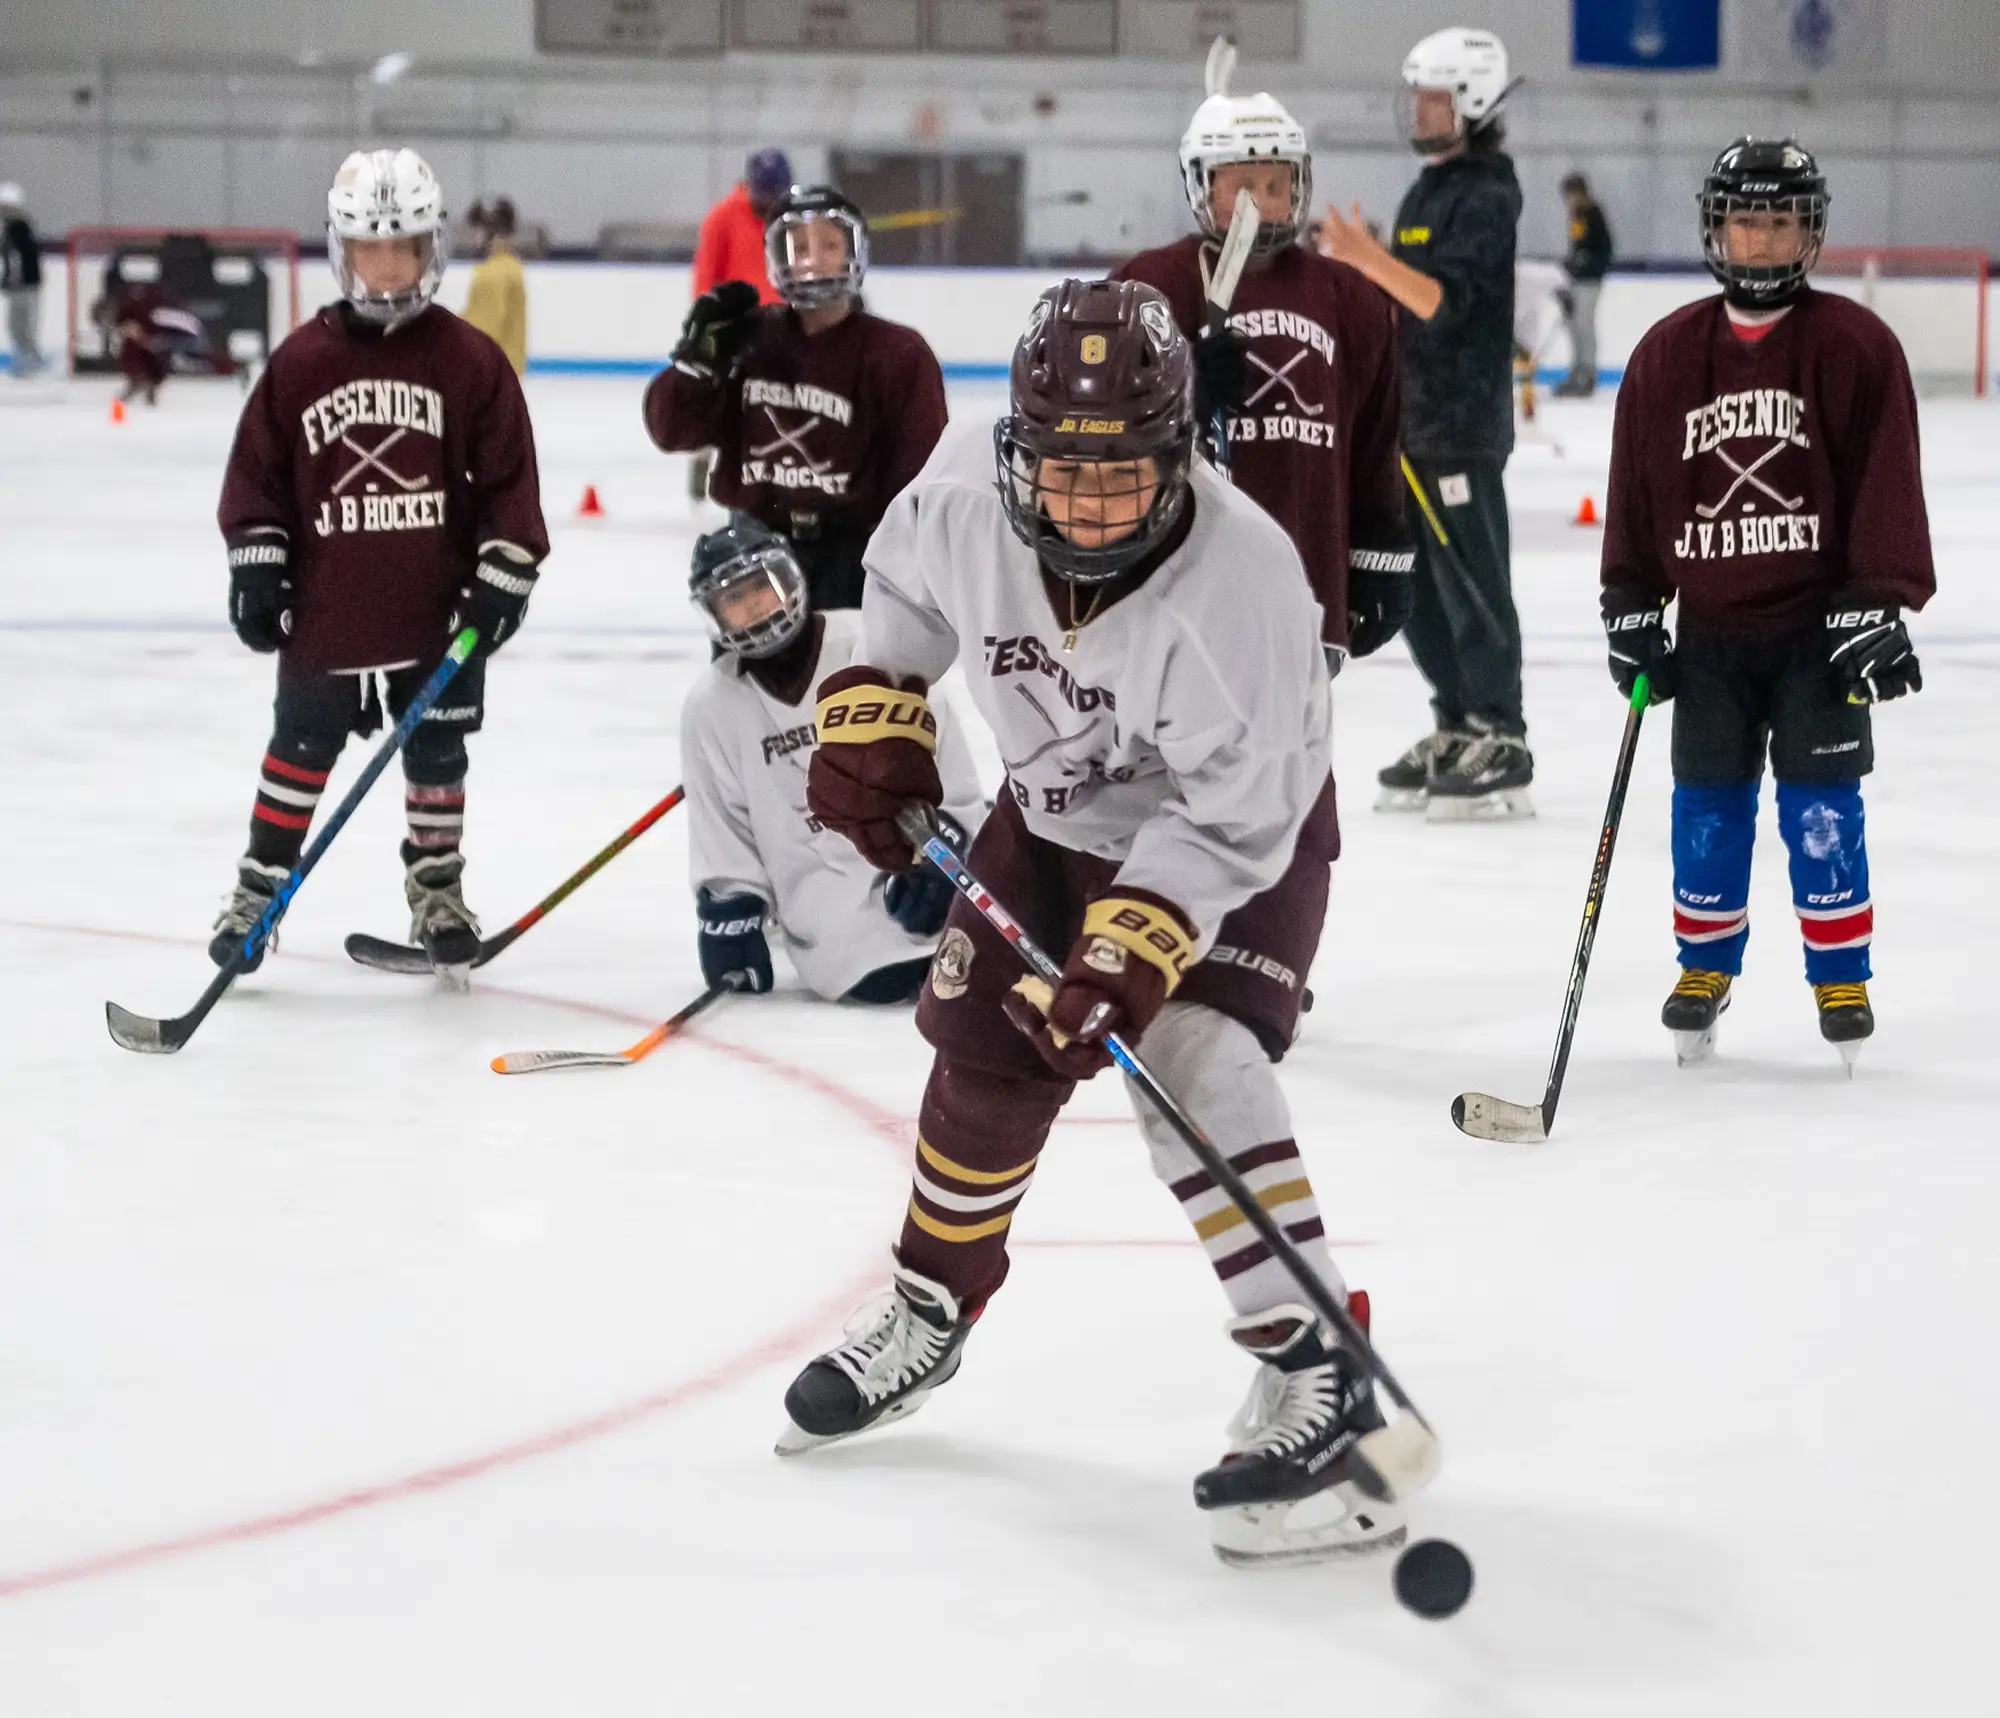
(163, 1037)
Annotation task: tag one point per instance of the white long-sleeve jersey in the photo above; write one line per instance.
(1186, 735)
(743, 762)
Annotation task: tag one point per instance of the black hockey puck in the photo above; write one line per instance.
(1433, 1578)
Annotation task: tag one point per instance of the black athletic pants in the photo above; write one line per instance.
(1463, 630)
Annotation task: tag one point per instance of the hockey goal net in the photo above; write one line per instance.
(240, 283)
(1935, 299)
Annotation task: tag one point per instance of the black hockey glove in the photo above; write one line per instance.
(1870, 648)
(716, 327)
(731, 942)
(260, 592)
(920, 898)
(1635, 627)
(497, 603)
(1221, 373)
(1379, 599)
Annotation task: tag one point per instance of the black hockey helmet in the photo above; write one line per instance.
(1758, 175)
(1102, 383)
(802, 279)
(748, 588)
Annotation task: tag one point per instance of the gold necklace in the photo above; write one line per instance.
(1076, 625)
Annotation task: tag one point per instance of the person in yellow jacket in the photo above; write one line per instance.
(496, 303)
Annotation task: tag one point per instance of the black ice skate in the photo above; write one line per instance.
(440, 921)
(1691, 1011)
(1287, 1492)
(1484, 780)
(1845, 1019)
(898, 1350)
(1406, 783)
(257, 886)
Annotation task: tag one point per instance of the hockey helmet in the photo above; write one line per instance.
(748, 588)
(1093, 454)
(1757, 175)
(386, 194)
(802, 263)
(1232, 128)
(1469, 65)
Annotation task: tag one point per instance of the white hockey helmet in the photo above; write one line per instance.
(11, 196)
(1471, 65)
(1231, 128)
(386, 194)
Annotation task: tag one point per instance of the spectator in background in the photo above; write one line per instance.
(1589, 257)
(496, 303)
(21, 279)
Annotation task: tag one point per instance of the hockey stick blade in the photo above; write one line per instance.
(140, 1032)
(1485, 1117)
(536, 1061)
(385, 956)
(1221, 66)
(1232, 258)
(1401, 1459)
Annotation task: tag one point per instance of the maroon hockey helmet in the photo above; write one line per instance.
(1093, 454)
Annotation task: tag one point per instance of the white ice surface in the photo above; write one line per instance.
(1713, 1367)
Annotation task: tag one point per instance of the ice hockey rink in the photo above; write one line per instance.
(338, 1374)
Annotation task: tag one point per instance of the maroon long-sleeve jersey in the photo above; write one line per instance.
(1316, 445)
(813, 433)
(1753, 478)
(387, 463)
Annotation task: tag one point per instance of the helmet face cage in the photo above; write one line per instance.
(1026, 500)
(763, 583)
(1272, 236)
(387, 309)
(798, 279)
(386, 194)
(1760, 178)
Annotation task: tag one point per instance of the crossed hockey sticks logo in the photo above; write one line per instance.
(1748, 474)
(1281, 377)
(793, 439)
(367, 459)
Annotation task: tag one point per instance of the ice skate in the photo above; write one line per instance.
(1691, 1012)
(1406, 783)
(1485, 780)
(440, 921)
(899, 1349)
(257, 886)
(1285, 1492)
(1845, 1019)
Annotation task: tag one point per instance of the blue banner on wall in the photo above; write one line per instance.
(1647, 35)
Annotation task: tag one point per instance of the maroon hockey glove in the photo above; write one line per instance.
(876, 753)
(1134, 950)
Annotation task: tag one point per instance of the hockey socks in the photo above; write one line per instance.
(1825, 834)
(288, 793)
(1714, 831)
(436, 816)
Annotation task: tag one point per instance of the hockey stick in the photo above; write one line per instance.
(1487, 617)
(1220, 291)
(534, 1061)
(1395, 1460)
(142, 1032)
(1219, 67)
(1486, 1117)
(409, 958)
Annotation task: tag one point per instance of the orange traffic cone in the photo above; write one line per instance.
(1587, 513)
(590, 507)
(117, 410)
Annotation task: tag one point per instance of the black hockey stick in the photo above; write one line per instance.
(142, 1032)
(1395, 1460)
(1487, 618)
(411, 958)
(1487, 1117)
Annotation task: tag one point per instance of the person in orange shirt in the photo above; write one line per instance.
(731, 247)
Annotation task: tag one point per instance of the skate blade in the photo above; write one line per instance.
(1404, 799)
(1850, 1053)
(1693, 1049)
(795, 1440)
(456, 980)
(1335, 1523)
(1509, 805)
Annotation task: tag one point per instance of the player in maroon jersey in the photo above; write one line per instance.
(1305, 371)
(1764, 470)
(153, 336)
(820, 414)
(382, 492)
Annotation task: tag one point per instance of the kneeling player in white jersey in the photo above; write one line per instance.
(1144, 644)
(755, 852)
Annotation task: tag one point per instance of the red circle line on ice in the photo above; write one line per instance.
(894, 1130)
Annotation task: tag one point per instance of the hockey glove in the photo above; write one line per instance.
(260, 592)
(1132, 954)
(1870, 649)
(1380, 595)
(731, 942)
(1635, 627)
(716, 327)
(1221, 373)
(497, 602)
(875, 755)
(919, 899)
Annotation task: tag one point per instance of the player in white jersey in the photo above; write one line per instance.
(755, 854)
(1144, 644)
